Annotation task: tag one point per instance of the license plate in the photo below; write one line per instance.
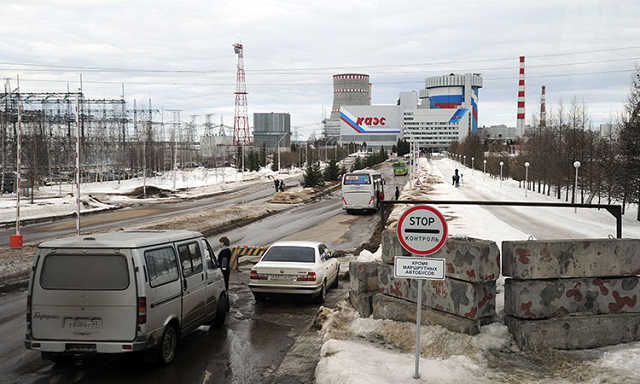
(283, 277)
(82, 324)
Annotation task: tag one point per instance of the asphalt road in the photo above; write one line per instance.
(251, 345)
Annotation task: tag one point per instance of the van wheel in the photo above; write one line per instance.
(168, 345)
(260, 297)
(221, 312)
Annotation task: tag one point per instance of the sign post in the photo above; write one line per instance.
(422, 230)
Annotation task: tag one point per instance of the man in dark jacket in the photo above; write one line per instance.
(224, 258)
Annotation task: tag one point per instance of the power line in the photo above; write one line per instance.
(290, 70)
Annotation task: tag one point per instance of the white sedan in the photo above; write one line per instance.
(295, 267)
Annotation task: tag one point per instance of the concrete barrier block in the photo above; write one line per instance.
(388, 307)
(472, 260)
(391, 246)
(361, 302)
(539, 299)
(575, 332)
(363, 277)
(461, 298)
(551, 259)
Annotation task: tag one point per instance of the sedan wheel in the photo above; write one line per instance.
(322, 296)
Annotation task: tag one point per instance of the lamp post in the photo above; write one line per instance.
(484, 169)
(501, 164)
(526, 178)
(464, 160)
(278, 145)
(576, 165)
(472, 165)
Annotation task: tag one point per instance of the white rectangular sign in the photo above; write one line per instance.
(419, 268)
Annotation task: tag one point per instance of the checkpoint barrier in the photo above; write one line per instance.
(236, 252)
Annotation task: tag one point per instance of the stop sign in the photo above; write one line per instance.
(422, 230)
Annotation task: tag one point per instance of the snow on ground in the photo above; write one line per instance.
(358, 350)
(59, 200)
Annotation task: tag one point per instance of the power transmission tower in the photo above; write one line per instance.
(241, 117)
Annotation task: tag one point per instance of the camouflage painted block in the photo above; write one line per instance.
(361, 302)
(539, 299)
(363, 277)
(553, 259)
(469, 259)
(391, 246)
(461, 298)
(389, 307)
(575, 332)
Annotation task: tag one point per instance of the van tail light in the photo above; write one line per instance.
(371, 200)
(344, 201)
(29, 310)
(142, 310)
(255, 276)
(311, 276)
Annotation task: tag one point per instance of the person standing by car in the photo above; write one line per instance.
(224, 258)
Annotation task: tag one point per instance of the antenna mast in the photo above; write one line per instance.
(241, 118)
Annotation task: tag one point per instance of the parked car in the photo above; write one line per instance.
(122, 292)
(295, 267)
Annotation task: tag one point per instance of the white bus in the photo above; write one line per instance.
(362, 191)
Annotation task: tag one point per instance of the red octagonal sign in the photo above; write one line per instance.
(422, 230)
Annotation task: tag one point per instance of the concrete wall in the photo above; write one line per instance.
(572, 294)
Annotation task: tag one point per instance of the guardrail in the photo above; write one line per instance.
(613, 209)
(245, 251)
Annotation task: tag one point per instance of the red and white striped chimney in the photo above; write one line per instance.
(521, 110)
(543, 107)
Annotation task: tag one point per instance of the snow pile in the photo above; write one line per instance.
(42, 208)
(366, 256)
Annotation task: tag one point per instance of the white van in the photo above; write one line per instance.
(122, 292)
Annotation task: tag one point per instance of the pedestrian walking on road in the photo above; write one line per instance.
(456, 179)
(224, 258)
(397, 193)
(281, 185)
(276, 183)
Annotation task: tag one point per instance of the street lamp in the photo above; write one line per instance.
(278, 145)
(576, 165)
(464, 159)
(526, 178)
(484, 169)
(472, 165)
(501, 164)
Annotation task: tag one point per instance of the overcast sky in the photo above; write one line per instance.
(180, 54)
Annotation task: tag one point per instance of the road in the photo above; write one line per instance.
(249, 195)
(248, 348)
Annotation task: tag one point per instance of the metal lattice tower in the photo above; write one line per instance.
(241, 117)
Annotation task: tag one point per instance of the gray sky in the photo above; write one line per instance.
(180, 54)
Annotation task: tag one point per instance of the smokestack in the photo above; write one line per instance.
(521, 110)
(543, 108)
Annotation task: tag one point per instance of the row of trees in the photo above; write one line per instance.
(314, 176)
(609, 162)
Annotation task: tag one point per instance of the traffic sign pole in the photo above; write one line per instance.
(416, 375)
(422, 230)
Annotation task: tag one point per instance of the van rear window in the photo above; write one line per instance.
(357, 179)
(84, 272)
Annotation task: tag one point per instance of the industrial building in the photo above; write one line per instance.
(348, 89)
(274, 129)
(444, 111)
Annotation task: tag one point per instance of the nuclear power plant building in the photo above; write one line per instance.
(444, 111)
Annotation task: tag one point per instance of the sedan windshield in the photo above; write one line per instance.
(291, 254)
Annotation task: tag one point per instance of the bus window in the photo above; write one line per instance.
(357, 179)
